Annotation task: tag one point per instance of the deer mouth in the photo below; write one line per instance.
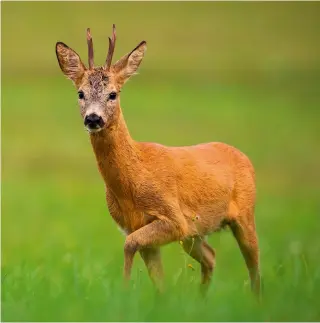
(93, 130)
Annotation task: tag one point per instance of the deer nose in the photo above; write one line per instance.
(93, 121)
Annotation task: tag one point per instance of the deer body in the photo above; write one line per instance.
(200, 180)
(159, 194)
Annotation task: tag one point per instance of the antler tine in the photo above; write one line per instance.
(112, 44)
(90, 49)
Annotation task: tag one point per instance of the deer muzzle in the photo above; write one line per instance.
(93, 122)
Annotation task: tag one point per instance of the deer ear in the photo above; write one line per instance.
(128, 65)
(70, 63)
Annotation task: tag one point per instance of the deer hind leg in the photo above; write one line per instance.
(245, 233)
(152, 259)
(199, 250)
(155, 234)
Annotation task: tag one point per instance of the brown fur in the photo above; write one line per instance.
(160, 194)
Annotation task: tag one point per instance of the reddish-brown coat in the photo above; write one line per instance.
(159, 194)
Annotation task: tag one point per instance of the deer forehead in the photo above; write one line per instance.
(98, 82)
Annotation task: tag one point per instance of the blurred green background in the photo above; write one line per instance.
(247, 74)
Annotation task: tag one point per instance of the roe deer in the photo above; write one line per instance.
(159, 194)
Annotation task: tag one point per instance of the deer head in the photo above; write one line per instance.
(99, 87)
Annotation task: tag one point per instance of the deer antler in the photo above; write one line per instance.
(112, 44)
(90, 49)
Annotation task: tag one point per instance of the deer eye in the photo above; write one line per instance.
(112, 95)
(81, 95)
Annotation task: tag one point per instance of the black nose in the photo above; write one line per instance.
(93, 121)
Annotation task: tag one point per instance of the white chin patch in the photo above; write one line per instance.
(93, 130)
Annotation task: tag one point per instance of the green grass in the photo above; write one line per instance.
(62, 255)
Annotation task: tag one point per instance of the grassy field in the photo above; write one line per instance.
(247, 74)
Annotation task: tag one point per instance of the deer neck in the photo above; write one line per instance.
(116, 154)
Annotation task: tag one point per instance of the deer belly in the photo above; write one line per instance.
(207, 218)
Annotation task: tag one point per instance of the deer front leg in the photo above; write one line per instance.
(199, 250)
(152, 259)
(155, 234)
